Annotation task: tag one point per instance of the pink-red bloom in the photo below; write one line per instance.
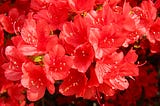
(13, 69)
(83, 57)
(80, 6)
(35, 80)
(57, 64)
(73, 84)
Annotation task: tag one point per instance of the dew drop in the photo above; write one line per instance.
(39, 79)
(41, 83)
(71, 34)
(61, 68)
(54, 63)
(64, 64)
(112, 40)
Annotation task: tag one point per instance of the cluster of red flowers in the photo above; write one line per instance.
(143, 91)
(140, 92)
(86, 48)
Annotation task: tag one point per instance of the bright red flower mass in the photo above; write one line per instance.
(91, 49)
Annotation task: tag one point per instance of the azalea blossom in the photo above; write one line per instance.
(35, 80)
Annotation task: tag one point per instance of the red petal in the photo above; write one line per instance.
(83, 57)
(12, 72)
(57, 51)
(34, 96)
(28, 50)
(106, 89)
(128, 69)
(151, 11)
(50, 88)
(28, 32)
(73, 84)
(131, 57)
(57, 67)
(101, 70)
(7, 24)
(90, 93)
(34, 78)
(119, 83)
(93, 81)
(75, 33)
(81, 5)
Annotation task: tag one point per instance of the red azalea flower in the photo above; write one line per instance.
(28, 32)
(34, 78)
(112, 69)
(16, 92)
(35, 36)
(43, 34)
(93, 87)
(95, 92)
(18, 24)
(56, 14)
(68, 47)
(33, 31)
(12, 93)
(13, 21)
(6, 23)
(119, 82)
(106, 89)
(154, 31)
(106, 66)
(74, 84)
(75, 33)
(126, 67)
(13, 67)
(37, 5)
(132, 37)
(146, 13)
(80, 6)
(93, 79)
(106, 41)
(142, 85)
(144, 16)
(149, 9)
(99, 18)
(83, 57)
(90, 93)
(57, 64)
